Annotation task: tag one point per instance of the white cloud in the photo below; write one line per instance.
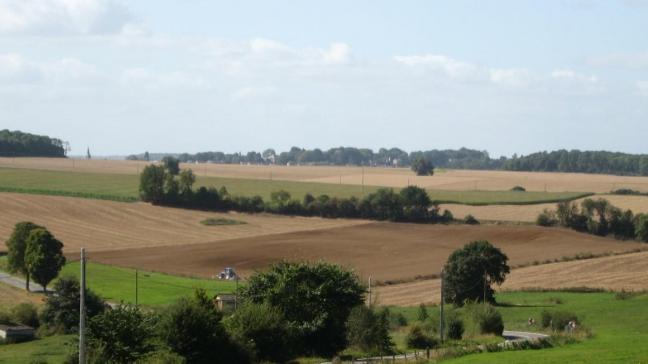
(513, 77)
(145, 77)
(15, 69)
(252, 92)
(572, 76)
(642, 86)
(627, 60)
(64, 17)
(441, 63)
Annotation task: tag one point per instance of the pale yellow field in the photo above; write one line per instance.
(456, 180)
(627, 272)
(106, 225)
(10, 296)
(529, 213)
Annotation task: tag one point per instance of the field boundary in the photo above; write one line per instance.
(46, 192)
(576, 196)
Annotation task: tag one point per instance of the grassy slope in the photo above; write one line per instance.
(620, 328)
(123, 187)
(52, 349)
(117, 284)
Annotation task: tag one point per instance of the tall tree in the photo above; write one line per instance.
(17, 244)
(470, 271)
(43, 256)
(187, 179)
(152, 184)
(423, 167)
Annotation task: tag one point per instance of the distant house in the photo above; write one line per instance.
(16, 333)
(225, 302)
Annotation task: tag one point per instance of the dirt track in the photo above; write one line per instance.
(627, 271)
(458, 180)
(386, 251)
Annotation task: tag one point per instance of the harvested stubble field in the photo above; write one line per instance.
(10, 296)
(621, 272)
(452, 180)
(106, 225)
(529, 213)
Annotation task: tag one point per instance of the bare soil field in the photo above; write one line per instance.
(386, 251)
(455, 180)
(627, 272)
(105, 225)
(529, 213)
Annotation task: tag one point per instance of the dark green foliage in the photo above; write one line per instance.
(262, 329)
(487, 318)
(369, 330)
(557, 320)
(19, 144)
(455, 327)
(152, 184)
(25, 314)
(61, 311)
(123, 334)
(641, 228)
(546, 218)
(468, 267)
(417, 339)
(396, 320)
(470, 220)
(416, 204)
(422, 313)
(17, 245)
(422, 167)
(192, 328)
(315, 299)
(384, 204)
(43, 256)
(171, 165)
(518, 189)
(581, 161)
(628, 191)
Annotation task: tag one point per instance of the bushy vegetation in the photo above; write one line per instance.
(628, 192)
(422, 167)
(470, 271)
(368, 330)
(417, 338)
(19, 144)
(455, 327)
(486, 318)
(598, 217)
(61, 311)
(470, 220)
(557, 320)
(166, 185)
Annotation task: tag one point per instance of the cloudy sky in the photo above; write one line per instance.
(173, 76)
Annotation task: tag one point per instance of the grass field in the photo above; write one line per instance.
(124, 187)
(53, 349)
(116, 284)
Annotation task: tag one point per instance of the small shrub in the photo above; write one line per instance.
(557, 320)
(5, 318)
(396, 320)
(518, 189)
(556, 300)
(221, 221)
(624, 295)
(25, 314)
(422, 314)
(470, 220)
(417, 339)
(546, 218)
(455, 328)
(487, 318)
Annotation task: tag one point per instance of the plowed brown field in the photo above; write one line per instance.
(105, 225)
(627, 272)
(458, 180)
(386, 251)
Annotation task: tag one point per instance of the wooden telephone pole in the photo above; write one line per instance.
(82, 311)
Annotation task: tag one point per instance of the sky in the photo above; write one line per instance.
(122, 77)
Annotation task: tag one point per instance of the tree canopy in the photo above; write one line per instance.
(17, 245)
(43, 256)
(19, 144)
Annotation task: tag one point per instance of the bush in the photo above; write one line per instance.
(369, 330)
(557, 320)
(641, 227)
(61, 311)
(417, 339)
(162, 357)
(487, 318)
(455, 328)
(262, 329)
(470, 220)
(396, 320)
(518, 189)
(25, 314)
(422, 314)
(546, 218)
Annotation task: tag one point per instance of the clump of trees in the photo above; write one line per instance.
(581, 162)
(598, 217)
(166, 184)
(422, 167)
(470, 271)
(19, 144)
(35, 253)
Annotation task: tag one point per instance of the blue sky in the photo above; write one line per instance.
(504, 76)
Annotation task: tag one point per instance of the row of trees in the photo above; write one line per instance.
(166, 184)
(581, 161)
(597, 217)
(19, 144)
(35, 253)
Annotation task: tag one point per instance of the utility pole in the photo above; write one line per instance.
(484, 287)
(136, 287)
(441, 318)
(369, 291)
(82, 313)
(362, 180)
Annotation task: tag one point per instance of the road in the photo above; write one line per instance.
(19, 282)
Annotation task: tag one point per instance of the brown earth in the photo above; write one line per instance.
(529, 213)
(386, 251)
(377, 176)
(622, 272)
(106, 225)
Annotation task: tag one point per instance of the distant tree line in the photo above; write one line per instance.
(581, 162)
(598, 217)
(166, 184)
(19, 144)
